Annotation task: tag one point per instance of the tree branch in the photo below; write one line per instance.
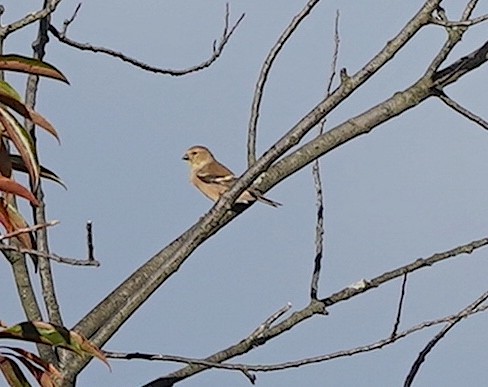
(319, 228)
(263, 77)
(461, 67)
(432, 343)
(454, 37)
(53, 257)
(28, 229)
(400, 307)
(465, 23)
(49, 7)
(317, 307)
(217, 48)
(463, 111)
(372, 118)
(319, 231)
(297, 363)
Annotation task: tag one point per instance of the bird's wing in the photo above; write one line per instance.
(216, 173)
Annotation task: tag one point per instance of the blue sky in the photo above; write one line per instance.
(412, 187)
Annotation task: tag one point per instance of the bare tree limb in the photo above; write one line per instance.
(372, 118)
(459, 68)
(217, 48)
(178, 359)
(464, 23)
(52, 257)
(468, 10)
(67, 22)
(89, 241)
(25, 289)
(318, 307)
(266, 325)
(319, 228)
(25, 292)
(432, 343)
(28, 229)
(319, 231)
(463, 111)
(454, 37)
(49, 7)
(418, 264)
(263, 77)
(297, 363)
(400, 307)
(335, 55)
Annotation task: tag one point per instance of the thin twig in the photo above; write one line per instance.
(319, 231)
(53, 257)
(297, 363)
(49, 7)
(463, 111)
(432, 343)
(400, 307)
(463, 23)
(178, 359)
(319, 228)
(253, 337)
(67, 22)
(89, 241)
(318, 307)
(217, 50)
(454, 37)
(258, 332)
(28, 229)
(335, 56)
(469, 9)
(263, 77)
(402, 270)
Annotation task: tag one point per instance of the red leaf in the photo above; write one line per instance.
(10, 186)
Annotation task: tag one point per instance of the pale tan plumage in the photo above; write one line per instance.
(213, 178)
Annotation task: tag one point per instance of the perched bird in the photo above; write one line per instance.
(213, 179)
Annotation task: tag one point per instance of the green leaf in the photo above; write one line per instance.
(54, 335)
(19, 165)
(32, 66)
(6, 89)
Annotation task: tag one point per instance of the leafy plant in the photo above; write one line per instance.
(44, 333)
(13, 133)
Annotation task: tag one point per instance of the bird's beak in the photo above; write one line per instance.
(185, 157)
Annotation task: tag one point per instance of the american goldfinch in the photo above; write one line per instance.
(213, 179)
